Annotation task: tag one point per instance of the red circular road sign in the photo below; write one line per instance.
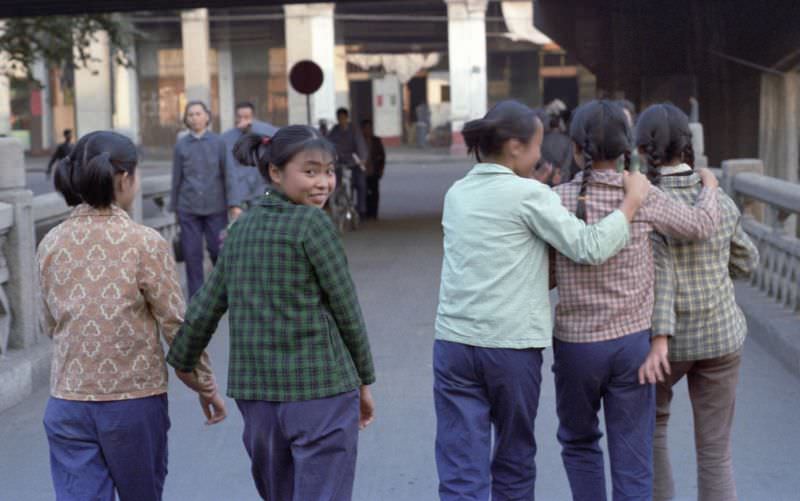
(306, 77)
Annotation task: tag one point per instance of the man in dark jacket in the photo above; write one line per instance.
(62, 151)
(352, 152)
(376, 162)
(249, 184)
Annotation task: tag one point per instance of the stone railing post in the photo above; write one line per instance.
(20, 247)
(730, 168)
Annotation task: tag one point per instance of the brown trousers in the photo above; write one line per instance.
(712, 390)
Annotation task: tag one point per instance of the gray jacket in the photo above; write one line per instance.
(200, 180)
(249, 185)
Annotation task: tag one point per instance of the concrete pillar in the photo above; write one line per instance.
(126, 99)
(19, 248)
(226, 94)
(196, 74)
(310, 35)
(387, 109)
(466, 37)
(93, 89)
(342, 81)
(41, 74)
(5, 94)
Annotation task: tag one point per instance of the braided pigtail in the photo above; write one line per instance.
(627, 160)
(580, 210)
(688, 153)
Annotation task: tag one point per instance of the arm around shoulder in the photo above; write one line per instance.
(545, 215)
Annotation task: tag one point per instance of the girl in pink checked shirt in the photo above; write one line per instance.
(602, 332)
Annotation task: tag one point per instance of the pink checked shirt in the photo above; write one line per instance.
(611, 300)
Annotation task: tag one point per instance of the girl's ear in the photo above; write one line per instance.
(275, 175)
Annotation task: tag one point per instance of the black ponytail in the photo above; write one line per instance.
(62, 180)
(87, 174)
(663, 133)
(601, 132)
(258, 150)
(505, 121)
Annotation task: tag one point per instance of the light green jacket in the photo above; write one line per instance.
(497, 226)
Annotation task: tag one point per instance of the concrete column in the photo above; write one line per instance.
(93, 89)
(19, 249)
(196, 74)
(342, 81)
(5, 94)
(226, 94)
(40, 73)
(387, 109)
(126, 99)
(310, 35)
(466, 36)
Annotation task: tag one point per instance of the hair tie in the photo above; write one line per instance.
(266, 140)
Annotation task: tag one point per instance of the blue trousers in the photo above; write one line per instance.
(194, 229)
(302, 451)
(99, 447)
(586, 375)
(475, 389)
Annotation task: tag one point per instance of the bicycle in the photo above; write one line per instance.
(343, 201)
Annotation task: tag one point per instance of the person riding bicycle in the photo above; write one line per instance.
(351, 150)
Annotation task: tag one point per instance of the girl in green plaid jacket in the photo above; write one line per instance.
(698, 328)
(300, 362)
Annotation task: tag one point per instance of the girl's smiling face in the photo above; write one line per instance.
(308, 178)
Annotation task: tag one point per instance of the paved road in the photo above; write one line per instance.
(396, 265)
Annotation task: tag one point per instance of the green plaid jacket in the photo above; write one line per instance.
(296, 329)
(694, 298)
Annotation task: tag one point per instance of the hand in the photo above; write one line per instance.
(656, 366)
(636, 188)
(190, 379)
(636, 185)
(367, 410)
(708, 178)
(542, 172)
(213, 407)
(234, 213)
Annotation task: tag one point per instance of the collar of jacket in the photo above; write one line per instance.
(679, 181)
(487, 168)
(86, 210)
(274, 196)
(609, 177)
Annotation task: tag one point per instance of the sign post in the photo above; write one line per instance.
(306, 78)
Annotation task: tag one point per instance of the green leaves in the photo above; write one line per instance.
(62, 41)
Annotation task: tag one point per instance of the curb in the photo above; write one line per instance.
(774, 327)
(24, 372)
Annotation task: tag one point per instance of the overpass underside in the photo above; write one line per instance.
(737, 57)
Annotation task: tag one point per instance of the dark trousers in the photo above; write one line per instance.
(360, 185)
(475, 389)
(99, 447)
(305, 450)
(586, 375)
(194, 229)
(373, 195)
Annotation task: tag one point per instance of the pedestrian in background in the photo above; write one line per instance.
(300, 361)
(109, 288)
(422, 126)
(250, 185)
(493, 318)
(201, 185)
(698, 328)
(62, 151)
(375, 165)
(351, 151)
